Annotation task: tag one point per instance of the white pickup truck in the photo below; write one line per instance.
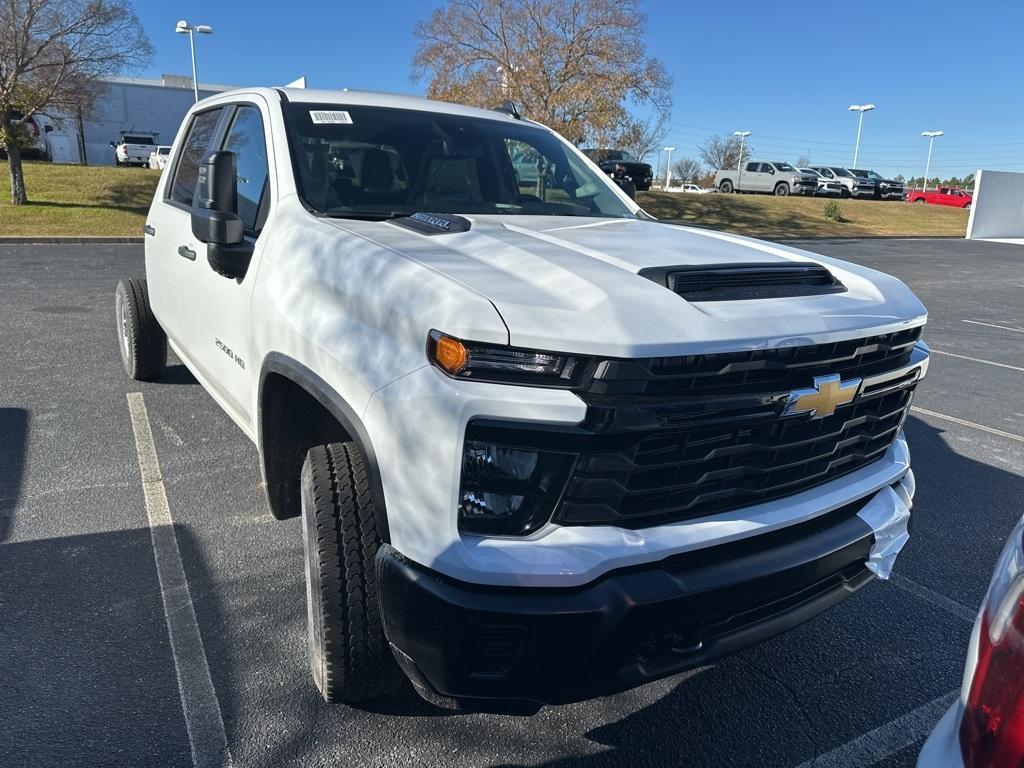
(774, 177)
(544, 447)
(134, 148)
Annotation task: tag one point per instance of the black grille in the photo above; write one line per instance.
(755, 371)
(695, 471)
(684, 437)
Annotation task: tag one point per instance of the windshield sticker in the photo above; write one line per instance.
(333, 117)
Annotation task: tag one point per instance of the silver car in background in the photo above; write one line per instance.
(826, 187)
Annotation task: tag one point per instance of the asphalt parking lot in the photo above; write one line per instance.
(87, 669)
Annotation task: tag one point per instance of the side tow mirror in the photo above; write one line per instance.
(215, 219)
(113, 144)
(628, 187)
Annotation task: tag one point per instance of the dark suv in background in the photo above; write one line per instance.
(621, 165)
(885, 189)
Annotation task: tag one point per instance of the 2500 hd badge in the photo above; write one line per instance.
(544, 447)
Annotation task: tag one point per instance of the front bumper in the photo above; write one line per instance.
(805, 189)
(863, 192)
(631, 626)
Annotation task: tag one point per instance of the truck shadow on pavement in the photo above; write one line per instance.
(88, 677)
(13, 445)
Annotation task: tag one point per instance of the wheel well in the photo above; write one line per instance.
(291, 422)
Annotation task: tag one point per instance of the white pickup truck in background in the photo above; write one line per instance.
(134, 148)
(774, 177)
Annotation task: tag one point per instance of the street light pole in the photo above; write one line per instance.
(668, 167)
(184, 28)
(862, 108)
(739, 161)
(931, 136)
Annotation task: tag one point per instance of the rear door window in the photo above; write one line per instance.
(197, 143)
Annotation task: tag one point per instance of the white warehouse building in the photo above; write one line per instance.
(128, 104)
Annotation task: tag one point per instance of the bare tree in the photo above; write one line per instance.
(804, 160)
(687, 169)
(723, 152)
(641, 137)
(52, 54)
(575, 65)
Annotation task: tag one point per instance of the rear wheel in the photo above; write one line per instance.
(967, 206)
(142, 341)
(920, 200)
(349, 655)
(781, 189)
(726, 187)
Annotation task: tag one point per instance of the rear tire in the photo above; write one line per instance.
(725, 187)
(781, 189)
(967, 206)
(349, 655)
(142, 341)
(921, 200)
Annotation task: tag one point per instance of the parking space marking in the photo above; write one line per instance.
(965, 423)
(993, 325)
(978, 360)
(939, 601)
(203, 719)
(886, 740)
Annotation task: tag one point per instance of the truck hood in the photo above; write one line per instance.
(571, 285)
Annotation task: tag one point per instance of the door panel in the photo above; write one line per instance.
(169, 224)
(215, 309)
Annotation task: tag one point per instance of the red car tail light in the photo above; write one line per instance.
(992, 728)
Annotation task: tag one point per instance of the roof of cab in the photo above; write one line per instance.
(365, 98)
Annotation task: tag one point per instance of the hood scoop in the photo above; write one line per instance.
(740, 282)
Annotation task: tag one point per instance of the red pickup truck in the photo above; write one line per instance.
(942, 196)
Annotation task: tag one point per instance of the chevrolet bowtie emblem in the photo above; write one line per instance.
(827, 394)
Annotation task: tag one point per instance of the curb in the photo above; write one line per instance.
(29, 239)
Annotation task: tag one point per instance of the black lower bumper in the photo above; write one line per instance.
(629, 627)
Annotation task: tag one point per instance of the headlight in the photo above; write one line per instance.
(507, 365)
(509, 490)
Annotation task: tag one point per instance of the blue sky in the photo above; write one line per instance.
(787, 71)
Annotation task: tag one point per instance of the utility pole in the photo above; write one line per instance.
(668, 167)
(931, 136)
(862, 108)
(739, 162)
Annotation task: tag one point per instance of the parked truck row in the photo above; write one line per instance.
(780, 178)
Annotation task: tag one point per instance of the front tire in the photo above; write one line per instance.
(725, 187)
(782, 189)
(349, 655)
(142, 341)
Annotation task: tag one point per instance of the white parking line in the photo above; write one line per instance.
(939, 601)
(203, 719)
(965, 423)
(886, 740)
(993, 325)
(978, 360)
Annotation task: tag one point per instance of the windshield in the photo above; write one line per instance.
(810, 171)
(783, 167)
(381, 162)
(842, 172)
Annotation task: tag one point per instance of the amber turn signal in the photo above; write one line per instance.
(451, 354)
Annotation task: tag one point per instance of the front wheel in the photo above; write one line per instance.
(967, 206)
(349, 655)
(920, 200)
(725, 187)
(781, 189)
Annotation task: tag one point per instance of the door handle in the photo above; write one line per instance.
(149, 229)
(188, 253)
